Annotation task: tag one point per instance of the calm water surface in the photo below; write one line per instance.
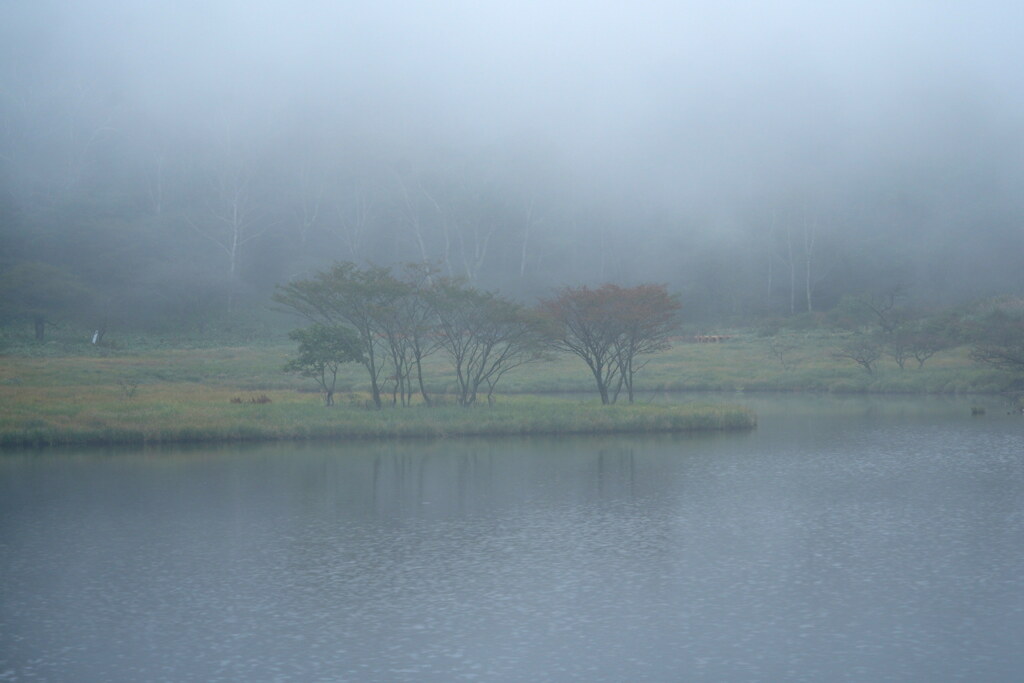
(862, 539)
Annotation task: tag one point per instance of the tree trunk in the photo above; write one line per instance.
(522, 254)
(807, 284)
(771, 262)
(419, 379)
(602, 388)
(792, 270)
(618, 389)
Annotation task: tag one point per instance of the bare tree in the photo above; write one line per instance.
(309, 200)
(790, 260)
(412, 193)
(234, 212)
(230, 220)
(90, 122)
(354, 211)
(810, 233)
(474, 240)
(452, 218)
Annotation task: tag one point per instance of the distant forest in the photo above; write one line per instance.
(172, 226)
(182, 168)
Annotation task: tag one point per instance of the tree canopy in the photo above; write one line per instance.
(322, 351)
(397, 322)
(346, 295)
(483, 335)
(610, 327)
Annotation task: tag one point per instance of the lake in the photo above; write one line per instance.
(846, 539)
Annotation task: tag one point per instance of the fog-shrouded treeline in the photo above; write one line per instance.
(180, 159)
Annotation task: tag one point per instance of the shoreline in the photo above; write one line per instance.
(160, 423)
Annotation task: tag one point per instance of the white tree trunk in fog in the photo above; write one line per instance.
(311, 193)
(91, 123)
(791, 260)
(446, 237)
(231, 221)
(475, 253)
(810, 231)
(528, 225)
(414, 218)
(771, 259)
(353, 218)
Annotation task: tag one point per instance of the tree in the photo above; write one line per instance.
(647, 316)
(484, 336)
(862, 349)
(932, 335)
(322, 351)
(233, 208)
(884, 306)
(898, 332)
(999, 340)
(898, 344)
(408, 324)
(610, 327)
(919, 339)
(41, 293)
(346, 295)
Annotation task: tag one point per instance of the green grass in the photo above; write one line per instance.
(745, 363)
(182, 414)
(142, 393)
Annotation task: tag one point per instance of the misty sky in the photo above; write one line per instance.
(703, 92)
(701, 110)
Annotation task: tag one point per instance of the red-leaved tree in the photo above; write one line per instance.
(610, 327)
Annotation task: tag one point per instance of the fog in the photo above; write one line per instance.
(759, 158)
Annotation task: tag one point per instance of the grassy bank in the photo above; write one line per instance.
(807, 362)
(183, 414)
(137, 393)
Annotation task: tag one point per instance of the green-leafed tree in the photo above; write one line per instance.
(322, 351)
(408, 325)
(348, 296)
(484, 336)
